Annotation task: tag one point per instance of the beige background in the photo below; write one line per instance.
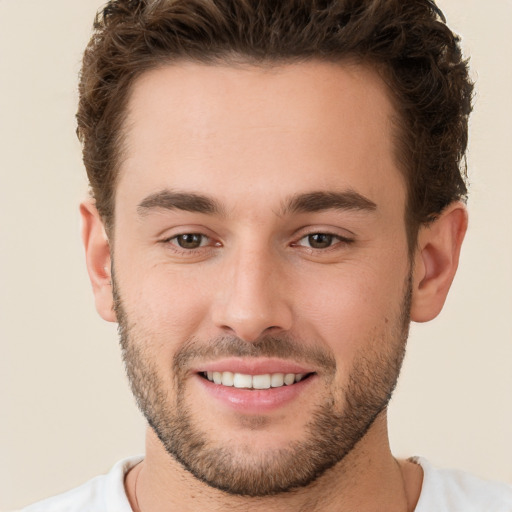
(67, 414)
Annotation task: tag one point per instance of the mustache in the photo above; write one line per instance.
(282, 347)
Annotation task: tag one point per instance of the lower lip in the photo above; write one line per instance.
(252, 401)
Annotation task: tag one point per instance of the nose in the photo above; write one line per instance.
(251, 297)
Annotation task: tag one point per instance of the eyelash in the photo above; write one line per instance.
(173, 241)
(333, 240)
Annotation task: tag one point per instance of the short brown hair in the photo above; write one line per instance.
(407, 40)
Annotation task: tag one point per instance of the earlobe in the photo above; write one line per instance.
(98, 260)
(436, 261)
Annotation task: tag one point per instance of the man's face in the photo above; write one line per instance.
(260, 232)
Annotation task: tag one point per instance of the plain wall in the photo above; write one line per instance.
(66, 411)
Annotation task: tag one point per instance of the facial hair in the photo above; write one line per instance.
(336, 425)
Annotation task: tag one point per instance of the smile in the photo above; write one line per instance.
(247, 381)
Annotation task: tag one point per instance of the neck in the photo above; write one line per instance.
(368, 479)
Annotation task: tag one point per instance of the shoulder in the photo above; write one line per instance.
(105, 492)
(454, 491)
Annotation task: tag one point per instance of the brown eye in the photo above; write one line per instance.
(190, 240)
(320, 240)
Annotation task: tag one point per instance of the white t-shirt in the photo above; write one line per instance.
(442, 491)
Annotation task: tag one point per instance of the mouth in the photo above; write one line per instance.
(257, 386)
(255, 382)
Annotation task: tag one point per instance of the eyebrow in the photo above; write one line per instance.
(301, 203)
(187, 201)
(320, 201)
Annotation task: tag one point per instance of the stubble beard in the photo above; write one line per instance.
(334, 429)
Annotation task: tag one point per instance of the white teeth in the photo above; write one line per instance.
(242, 381)
(261, 381)
(289, 379)
(266, 381)
(277, 380)
(227, 378)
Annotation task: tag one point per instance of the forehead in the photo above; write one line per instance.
(275, 130)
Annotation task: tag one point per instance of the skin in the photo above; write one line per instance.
(251, 140)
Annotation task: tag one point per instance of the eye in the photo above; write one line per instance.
(190, 240)
(321, 240)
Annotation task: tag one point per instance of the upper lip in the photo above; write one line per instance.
(253, 366)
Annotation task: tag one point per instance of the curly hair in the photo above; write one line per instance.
(406, 41)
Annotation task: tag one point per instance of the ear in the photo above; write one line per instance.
(436, 261)
(97, 255)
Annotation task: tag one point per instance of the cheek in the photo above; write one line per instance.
(165, 302)
(352, 308)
